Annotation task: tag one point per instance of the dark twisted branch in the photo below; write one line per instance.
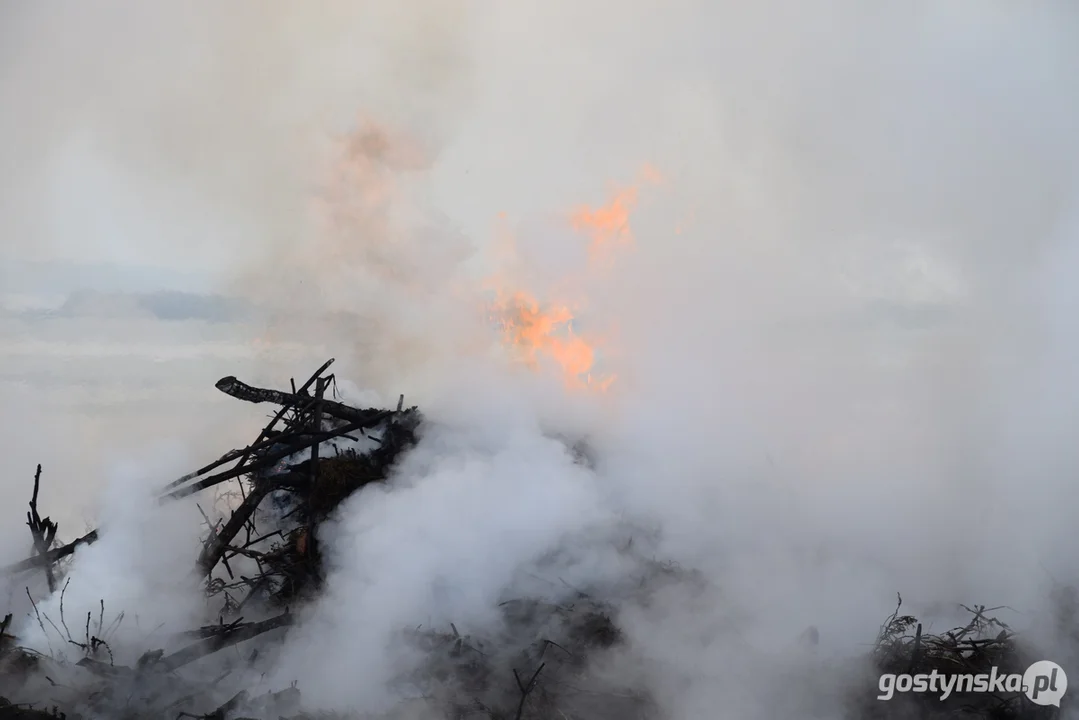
(222, 712)
(234, 636)
(52, 556)
(218, 543)
(526, 689)
(156, 660)
(292, 445)
(263, 440)
(242, 391)
(316, 426)
(42, 530)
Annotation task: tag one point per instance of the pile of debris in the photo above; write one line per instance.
(264, 561)
(985, 646)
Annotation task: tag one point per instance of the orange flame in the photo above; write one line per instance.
(535, 332)
(534, 329)
(608, 226)
(360, 233)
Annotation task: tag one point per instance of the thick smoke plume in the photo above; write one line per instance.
(842, 336)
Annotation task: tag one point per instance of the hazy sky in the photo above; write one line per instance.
(165, 136)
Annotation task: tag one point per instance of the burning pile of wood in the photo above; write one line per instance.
(314, 453)
(264, 561)
(903, 647)
(286, 465)
(312, 488)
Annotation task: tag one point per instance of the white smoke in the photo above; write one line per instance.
(848, 373)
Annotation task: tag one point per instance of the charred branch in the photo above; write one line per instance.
(241, 391)
(292, 446)
(43, 532)
(52, 556)
(218, 543)
(234, 635)
(263, 440)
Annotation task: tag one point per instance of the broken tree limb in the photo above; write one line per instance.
(52, 556)
(207, 631)
(316, 426)
(210, 645)
(240, 454)
(218, 543)
(105, 670)
(526, 689)
(272, 459)
(227, 708)
(263, 440)
(43, 531)
(242, 391)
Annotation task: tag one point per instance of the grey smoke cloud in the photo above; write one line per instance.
(849, 373)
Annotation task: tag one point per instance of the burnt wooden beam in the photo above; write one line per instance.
(210, 645)
(52, 556)
(248, 393)
(271, 459)
(263, 440)
(43, 531)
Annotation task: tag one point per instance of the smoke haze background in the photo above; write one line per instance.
(844, 337)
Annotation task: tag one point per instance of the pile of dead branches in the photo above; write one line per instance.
(311, 488)
(314, 452)
(976, 648)
(261, 559)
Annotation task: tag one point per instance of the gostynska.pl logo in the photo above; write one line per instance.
(1044, 683)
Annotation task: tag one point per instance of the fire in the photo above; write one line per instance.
(538, 330)
(608, 226)
(362, 243)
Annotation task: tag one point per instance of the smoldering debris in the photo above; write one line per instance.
(561, 654)
(976, 648)
(262, 564)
